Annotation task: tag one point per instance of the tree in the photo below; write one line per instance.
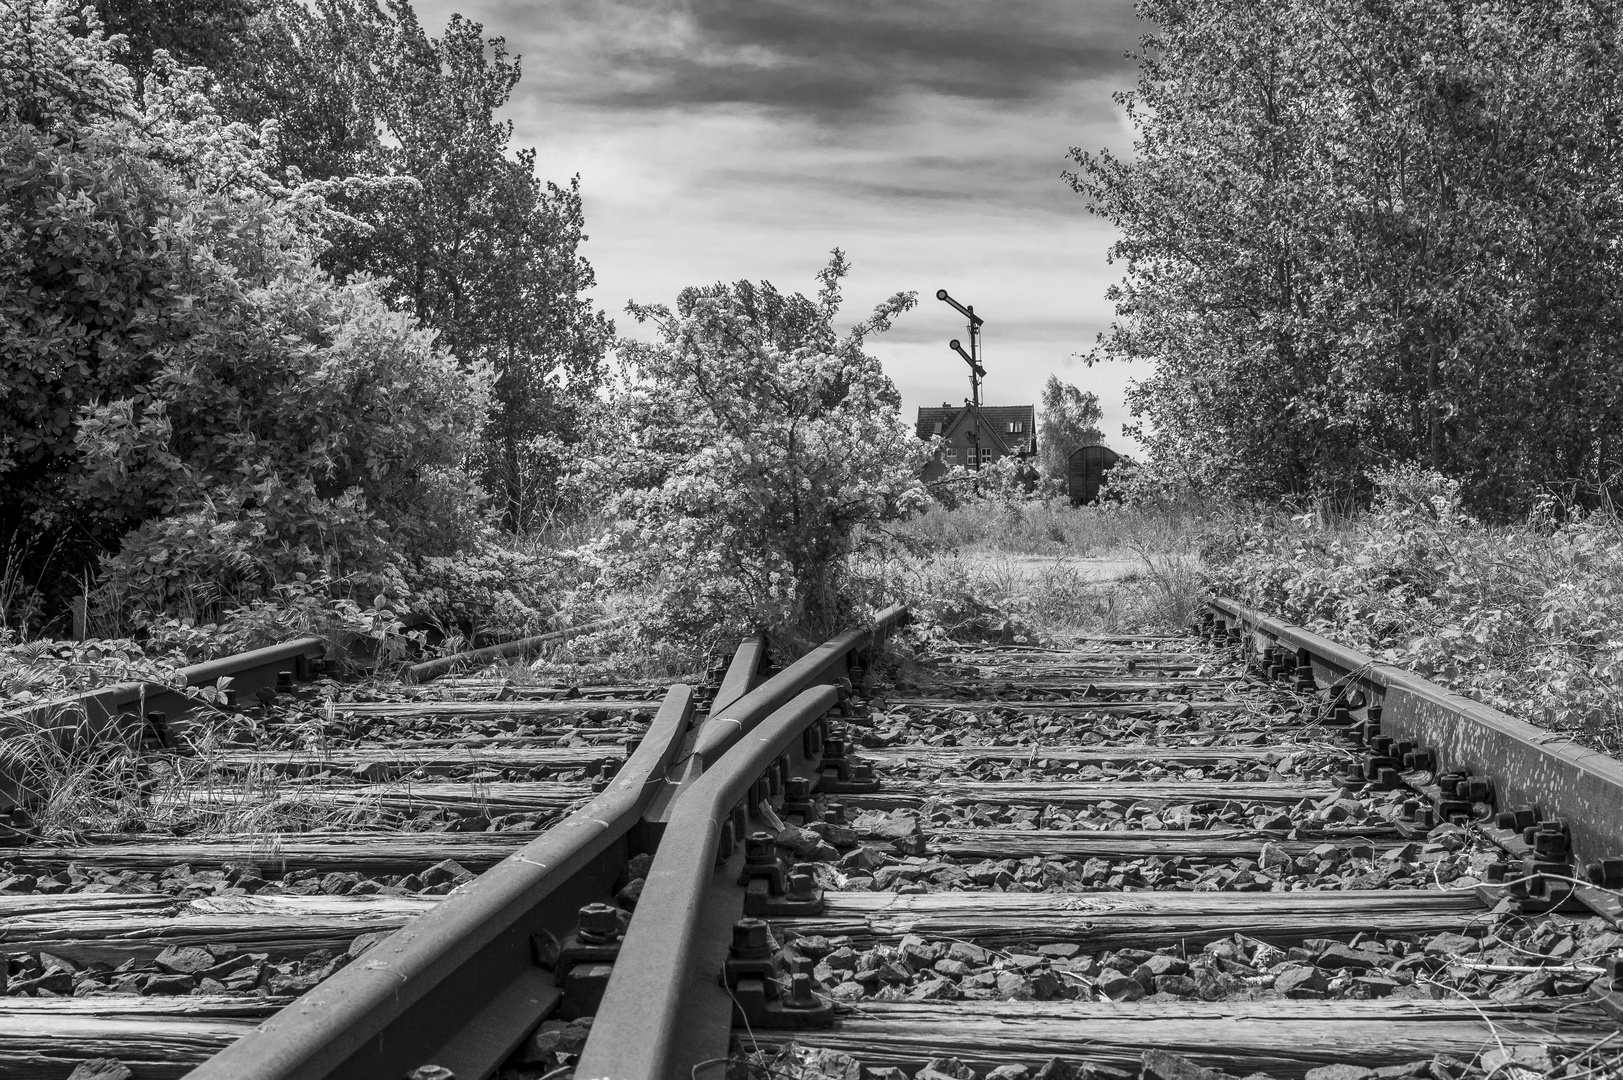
(1348, 228)
(468, 238)
(1069, 419)
(755, 447)
(211, 34)
(184, 383)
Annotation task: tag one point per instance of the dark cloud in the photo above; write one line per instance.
(824, 58)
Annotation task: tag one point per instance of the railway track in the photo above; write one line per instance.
(277, 824)
(1244, 850)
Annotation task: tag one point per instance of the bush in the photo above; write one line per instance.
(1521, 617)
(754, 444)
(492, 592)
(332, 447)
(1003, 486)
(184, 383)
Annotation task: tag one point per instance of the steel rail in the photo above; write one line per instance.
(460, 986)
(119, 711)
(744, 673)
(665, 1011)
(429, 670)
(1525, 765)
(730, 723)
(255, 669)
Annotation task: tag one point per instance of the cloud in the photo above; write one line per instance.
(826, 59)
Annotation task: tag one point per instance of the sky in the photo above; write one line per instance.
(726, 139)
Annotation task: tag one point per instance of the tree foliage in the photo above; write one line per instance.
(183, 381)
(755, 446)
(1069, 419)
(211, 34)
(1357, 233)
(467, 238)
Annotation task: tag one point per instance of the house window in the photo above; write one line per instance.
(952, 453)
(1016, 426)
(986, 455)
(940, 425)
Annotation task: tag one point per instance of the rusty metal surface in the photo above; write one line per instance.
(433, 669)
(744, 673)
(659, 1015)
(248, 671)
(1527, 764)
(727, 725)
(460, 983)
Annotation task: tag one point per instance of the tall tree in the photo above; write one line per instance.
(1350, 227)
(183, 382)
(212, 34)
(469, 238)
(1069, 419)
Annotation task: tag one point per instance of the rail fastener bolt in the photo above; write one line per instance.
(799, 803)
(1607, 873)
(431, 1072)
(1420, 759)
(752, 940)
(1305, 682)
(598, 924)
(760, 849)
(802, 885)
(801, 994)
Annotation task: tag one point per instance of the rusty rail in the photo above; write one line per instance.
(744, 674)
(727, 725)
(667, 1008)
(1553, 804)
(459, 986)
(429, 670)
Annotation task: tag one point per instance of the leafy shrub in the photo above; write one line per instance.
(754, 444)
(329, 447)
(1003, 486)
(1522, 617)
(186, 384)
(492, 592)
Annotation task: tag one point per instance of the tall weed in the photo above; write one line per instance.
(1525, 617)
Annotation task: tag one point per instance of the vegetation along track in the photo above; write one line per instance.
(1246, 850)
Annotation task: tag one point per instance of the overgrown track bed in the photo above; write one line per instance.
(1150, 856)
(1121, 857)
(231, 851)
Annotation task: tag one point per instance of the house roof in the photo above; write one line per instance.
(995, 419)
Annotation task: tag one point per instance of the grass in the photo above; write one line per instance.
(1053, 527)
(1525, 616)
(75, 784)
(1050, 570)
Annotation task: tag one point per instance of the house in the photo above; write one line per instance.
(976, 435)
